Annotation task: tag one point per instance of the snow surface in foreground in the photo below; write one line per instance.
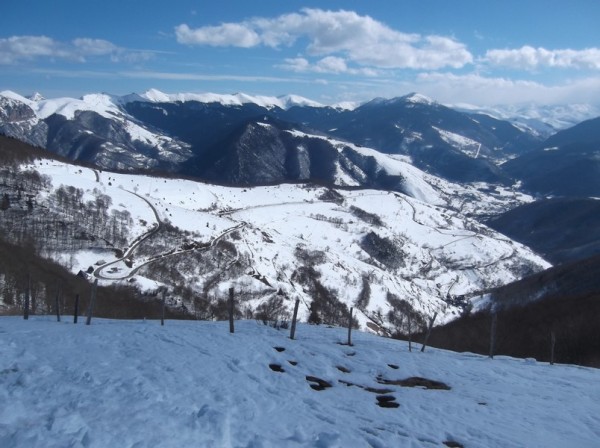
(135, 383)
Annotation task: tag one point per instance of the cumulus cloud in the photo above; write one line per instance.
(328, 64)
(530, 58)
(358, 39)
(16, 49)
(225, 35)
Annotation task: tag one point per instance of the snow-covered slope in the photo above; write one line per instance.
(469, 199)
(289, 239)
(135, 383)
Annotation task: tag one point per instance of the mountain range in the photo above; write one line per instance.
(225, 138)
(396, 193)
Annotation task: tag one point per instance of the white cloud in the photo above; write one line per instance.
(358, 39)
(328, 64)
(299, 65)
(530, 58)
(94, 47)
(227, 34)
(332, 64)
(16, 49)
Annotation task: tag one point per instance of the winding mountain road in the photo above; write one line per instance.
(98, 272)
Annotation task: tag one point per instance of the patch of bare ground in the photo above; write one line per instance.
(318, 383)
(415, 381)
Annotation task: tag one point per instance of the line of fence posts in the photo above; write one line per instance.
(493, 326)
(294, 317)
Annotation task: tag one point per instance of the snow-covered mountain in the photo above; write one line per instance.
(91, 129)
(330, 248)
(164, 131)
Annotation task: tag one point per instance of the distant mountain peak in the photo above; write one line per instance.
(36, 97)
(411, 98)
(288, 101)
(418, 98)
(155, 96)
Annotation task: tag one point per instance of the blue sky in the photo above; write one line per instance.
(478, 52)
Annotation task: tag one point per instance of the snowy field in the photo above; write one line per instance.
(137, 384)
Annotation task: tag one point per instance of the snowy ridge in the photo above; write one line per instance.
(100, 103)
(237, 99)
(188, 383)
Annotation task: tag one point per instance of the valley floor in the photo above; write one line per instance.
(189, 383)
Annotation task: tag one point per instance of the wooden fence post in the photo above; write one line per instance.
(92, 302)
(350, 327)
(162, 314)
(409, 333)
(231, 329)
(76, 310)
(57, 304)
(27, 288)
(493, 335)
(428, 331)
(294, 317)
(552, 344)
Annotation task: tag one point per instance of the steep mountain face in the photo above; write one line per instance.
(202, 125)
(269, 151)
(19, 121)
(93, 129)
(567, 164)
(112, 143)
(562, 229)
